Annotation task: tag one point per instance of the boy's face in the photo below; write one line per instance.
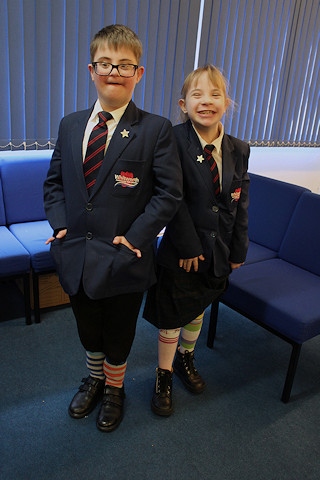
(113, 90)
(205, 104)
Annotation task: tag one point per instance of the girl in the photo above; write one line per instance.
(206, 239)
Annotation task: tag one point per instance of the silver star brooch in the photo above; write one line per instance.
(200, 158)
(125, 133)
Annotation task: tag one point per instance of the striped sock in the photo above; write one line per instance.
(114, 374)
(190, 334)
(95, 364)
(167, 346)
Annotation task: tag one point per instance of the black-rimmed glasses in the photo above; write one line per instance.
(124, 69)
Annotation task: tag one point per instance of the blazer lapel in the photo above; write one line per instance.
(77, 134)
(196, 153)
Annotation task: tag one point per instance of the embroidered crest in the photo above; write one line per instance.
(236, 195)
(200, 158)
(126, 179)
(125, 133)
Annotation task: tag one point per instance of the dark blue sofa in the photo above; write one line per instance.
(279, 285)
(22, 174)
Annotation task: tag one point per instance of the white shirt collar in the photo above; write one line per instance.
(217, 142)
(117, 114)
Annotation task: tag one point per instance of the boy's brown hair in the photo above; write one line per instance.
(117, 36)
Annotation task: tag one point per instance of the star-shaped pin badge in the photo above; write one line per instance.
(200, 158)
(125, 133)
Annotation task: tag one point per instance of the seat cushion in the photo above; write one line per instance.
(279, 294)
(14, 258)
(33, 236)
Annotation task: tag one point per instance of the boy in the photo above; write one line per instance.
(106, 215)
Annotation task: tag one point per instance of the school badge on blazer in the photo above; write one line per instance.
(126, 179)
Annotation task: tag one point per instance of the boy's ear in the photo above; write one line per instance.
(140, 72)
(182, 105)
(91, 70)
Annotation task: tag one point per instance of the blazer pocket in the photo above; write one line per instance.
(122, 260)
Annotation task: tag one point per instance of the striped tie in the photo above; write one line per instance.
(213, 168)
(95, 150)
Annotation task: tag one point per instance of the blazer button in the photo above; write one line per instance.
(213, 234)
(89, 207)
(89, 236)
(215, 209)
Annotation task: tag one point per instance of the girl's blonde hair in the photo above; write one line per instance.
(117, 36)
(216, 77)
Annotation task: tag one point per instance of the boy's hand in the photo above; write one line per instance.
(121, 239)
(60, 234)
(188, 263)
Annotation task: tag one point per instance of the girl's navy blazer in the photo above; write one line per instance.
(204, 224)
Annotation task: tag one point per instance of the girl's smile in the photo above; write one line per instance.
(205, 105)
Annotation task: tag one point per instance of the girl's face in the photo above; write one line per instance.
(205, 104)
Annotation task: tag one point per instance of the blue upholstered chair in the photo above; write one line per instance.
(14, 259)
(23, 174)
(282, 294)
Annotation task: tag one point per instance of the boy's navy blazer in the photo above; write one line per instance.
(204, 224)
(138, 190)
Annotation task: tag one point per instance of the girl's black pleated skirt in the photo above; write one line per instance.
(179, 297)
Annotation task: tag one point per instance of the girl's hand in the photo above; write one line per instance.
(124, 241)
(234, 266)
(60, 234)
(188, 263)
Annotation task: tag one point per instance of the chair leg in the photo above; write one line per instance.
(36, 300)
(26, 293)
(213, 323)
(293, 363)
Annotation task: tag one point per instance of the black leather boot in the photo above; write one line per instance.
(183, 367)
(85, 400)
(161, 402)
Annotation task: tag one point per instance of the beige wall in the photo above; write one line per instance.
(298, 165)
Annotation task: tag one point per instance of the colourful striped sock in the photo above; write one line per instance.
(95, 364)
(114, 374)
(190, 334)
(167, 346)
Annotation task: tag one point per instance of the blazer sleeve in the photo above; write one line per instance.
(240, 240)
(183, 235)
(54, 198)
(167, 189)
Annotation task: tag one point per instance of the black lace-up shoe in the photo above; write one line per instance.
(161, 402)
(85, 400)
(183, 367)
